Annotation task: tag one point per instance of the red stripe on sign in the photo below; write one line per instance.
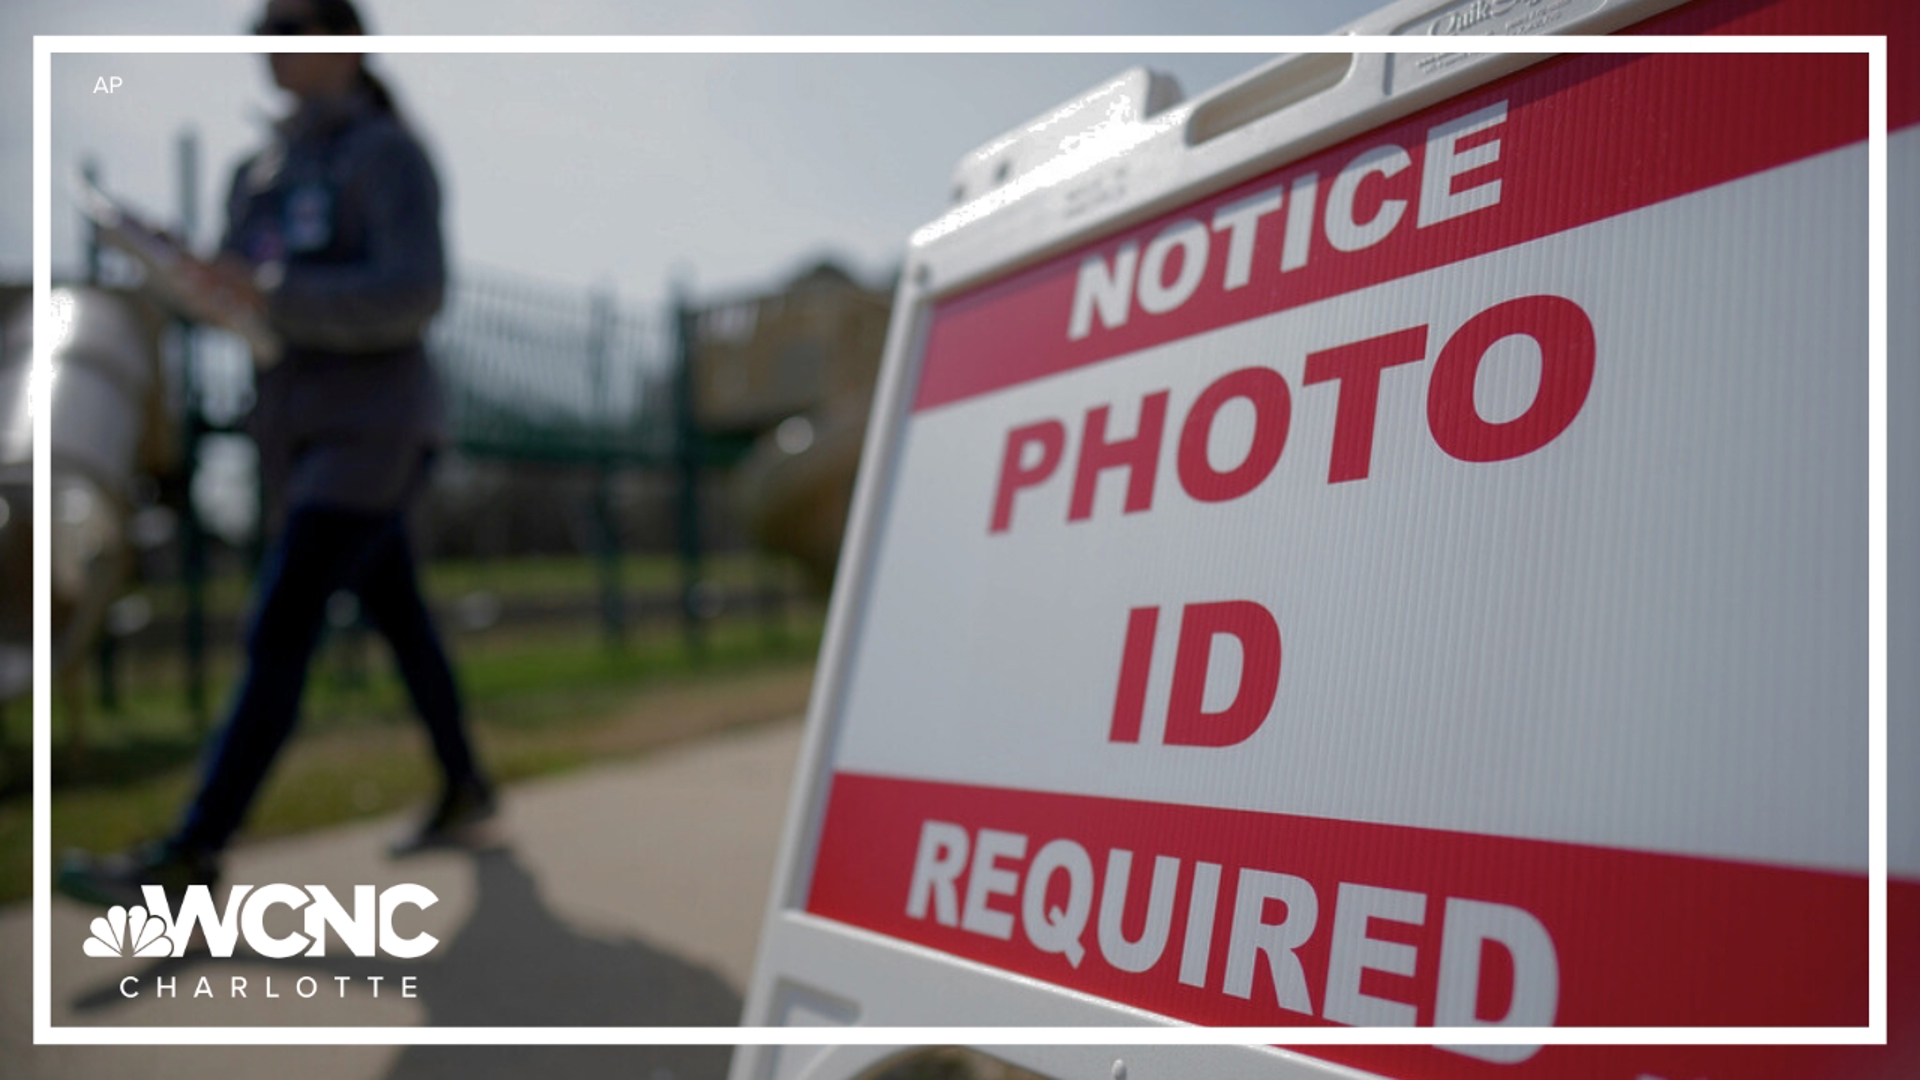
(1567, 143)
(1899, 1059)
(1232, 917)
(1896, 20)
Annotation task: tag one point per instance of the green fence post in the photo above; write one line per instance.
(193, 534)
(104, 660)
(613, 616)
(686, 440)
(773, 600)
(90, 169)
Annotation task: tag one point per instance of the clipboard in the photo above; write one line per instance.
(168, 265)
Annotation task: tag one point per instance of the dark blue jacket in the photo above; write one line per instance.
(341, 217)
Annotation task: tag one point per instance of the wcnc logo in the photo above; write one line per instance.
(155, 930)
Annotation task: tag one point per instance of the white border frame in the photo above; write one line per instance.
(1874, 48)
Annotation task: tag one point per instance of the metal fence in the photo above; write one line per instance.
(532, 372)
(536, 372)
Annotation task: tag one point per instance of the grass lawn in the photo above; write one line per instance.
(539, 702)
(522, 576)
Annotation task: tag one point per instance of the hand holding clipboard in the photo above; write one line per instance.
(216, 293)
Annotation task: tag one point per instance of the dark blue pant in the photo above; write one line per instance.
(318, 553)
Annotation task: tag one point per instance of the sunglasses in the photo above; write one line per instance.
(284, 27)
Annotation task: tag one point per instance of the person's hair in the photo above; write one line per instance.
(342, 18)
(377, 90)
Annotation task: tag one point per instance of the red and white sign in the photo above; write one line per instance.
(1425, 584)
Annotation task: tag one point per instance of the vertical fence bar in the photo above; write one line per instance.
(90, 169)
(103, 651)
(603, 431)
(768, 575)
(686, 440)
(193, 533)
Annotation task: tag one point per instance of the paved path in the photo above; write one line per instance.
(625, 894)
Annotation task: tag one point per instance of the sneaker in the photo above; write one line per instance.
(116, 880)
(455, 819)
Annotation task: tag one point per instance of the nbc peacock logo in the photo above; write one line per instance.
(123, 932)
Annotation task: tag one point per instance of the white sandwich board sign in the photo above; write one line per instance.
(1398, 557)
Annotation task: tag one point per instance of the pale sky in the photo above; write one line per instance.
(729, 171)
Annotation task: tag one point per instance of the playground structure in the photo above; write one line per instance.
(794, 371)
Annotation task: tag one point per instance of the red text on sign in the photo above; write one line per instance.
(1203, 629)
(1559, 328)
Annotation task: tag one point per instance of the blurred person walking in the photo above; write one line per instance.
(333, 233)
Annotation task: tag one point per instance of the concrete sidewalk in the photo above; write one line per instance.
(629, 894)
